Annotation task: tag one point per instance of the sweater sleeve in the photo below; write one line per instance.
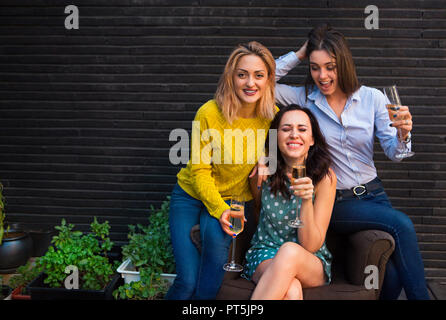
(203, 138)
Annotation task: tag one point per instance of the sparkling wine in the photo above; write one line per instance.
(236, 218)
(391, 109)
(299, 171)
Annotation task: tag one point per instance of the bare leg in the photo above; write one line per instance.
(294, 291)
(275, 277)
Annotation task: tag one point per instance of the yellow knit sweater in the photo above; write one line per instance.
(215, 171)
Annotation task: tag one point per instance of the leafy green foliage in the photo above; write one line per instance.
(150, 287)
(83, 251)
(24, 275)
(150, 250)
(150, 246)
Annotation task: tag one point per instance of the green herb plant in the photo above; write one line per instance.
(150, 251)
(87, 252)
(24, 275)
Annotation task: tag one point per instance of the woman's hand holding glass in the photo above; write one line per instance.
(402, 120)
(237, 221)
(400, 117)
(302, 187)
(225, 224)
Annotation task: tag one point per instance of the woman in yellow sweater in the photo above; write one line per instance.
(243, 108)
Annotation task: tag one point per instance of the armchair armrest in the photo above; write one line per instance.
(368, 247)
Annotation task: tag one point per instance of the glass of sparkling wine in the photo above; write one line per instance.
(298, 171)
(392, 94)
(237, 220)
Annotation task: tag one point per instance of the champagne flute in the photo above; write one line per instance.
(237, 220)
(298, 171)
(392, 94)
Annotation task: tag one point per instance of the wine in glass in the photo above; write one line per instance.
(392, 108)
(298, 171)
(237, 220)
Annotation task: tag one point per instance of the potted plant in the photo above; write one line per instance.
(15, 245)
(85, 256)
(148, 265)
(18, 282)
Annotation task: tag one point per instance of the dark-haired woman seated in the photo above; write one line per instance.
(282, 259)
(351, 116)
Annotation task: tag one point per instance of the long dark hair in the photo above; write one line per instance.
(323, 37)
(318, 160)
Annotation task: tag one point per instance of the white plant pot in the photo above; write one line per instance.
(129, 274)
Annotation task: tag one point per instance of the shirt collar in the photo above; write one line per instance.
(317, 96)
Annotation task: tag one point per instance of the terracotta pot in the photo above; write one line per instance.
(18, 295)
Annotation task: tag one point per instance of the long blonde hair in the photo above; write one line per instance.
(225, 95)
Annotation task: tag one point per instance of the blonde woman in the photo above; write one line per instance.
(243, 102)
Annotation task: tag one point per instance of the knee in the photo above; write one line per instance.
(183, 288)
(289, 255)
(405, 224)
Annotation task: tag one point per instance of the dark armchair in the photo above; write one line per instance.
(351, 255)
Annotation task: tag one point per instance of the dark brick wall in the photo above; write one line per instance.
(85, 115)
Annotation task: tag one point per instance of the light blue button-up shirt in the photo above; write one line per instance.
(350, 139)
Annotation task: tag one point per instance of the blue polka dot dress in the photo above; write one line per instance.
(273, 231)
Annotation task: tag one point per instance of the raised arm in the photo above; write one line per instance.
(286, 94)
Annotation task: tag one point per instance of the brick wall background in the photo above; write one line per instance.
(85, 115)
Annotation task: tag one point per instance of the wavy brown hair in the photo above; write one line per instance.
(318, 159)
(225, 95)
(323, 37)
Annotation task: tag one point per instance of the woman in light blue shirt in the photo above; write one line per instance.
(350, 116)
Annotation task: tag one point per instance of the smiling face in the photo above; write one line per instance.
(250, 79)
(324, 72)
(294, 136)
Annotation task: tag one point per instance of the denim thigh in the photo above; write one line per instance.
(374, 211)
(184, 214)
(215, 245)
(199, 276)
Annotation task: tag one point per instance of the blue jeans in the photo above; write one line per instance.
(373, 211)
(199, 276)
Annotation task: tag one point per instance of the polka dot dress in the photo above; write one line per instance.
(273, 231)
